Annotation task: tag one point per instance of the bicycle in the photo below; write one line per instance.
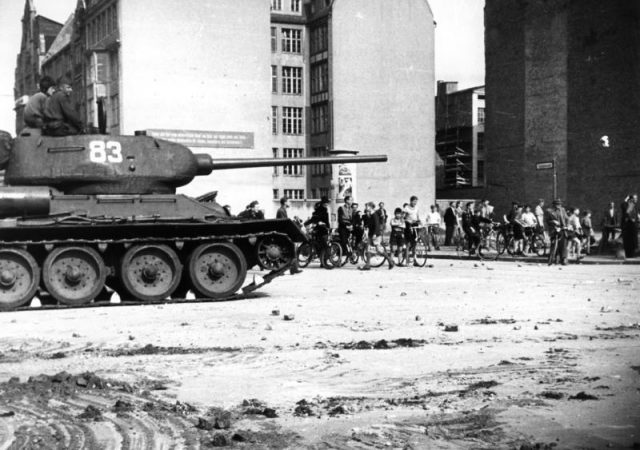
(417, 246)
(489, 247)
(328, 252)
(533, 241)
(560, 234)
(350, 253)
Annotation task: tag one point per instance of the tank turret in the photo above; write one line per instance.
(82, 217)
(99, 164)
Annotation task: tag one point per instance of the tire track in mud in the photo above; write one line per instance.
(66, 411)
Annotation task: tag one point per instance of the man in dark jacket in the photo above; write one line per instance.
(557, 220)
(282, 211)
(345, 226)
(450, 222)
(629, 224)
(60, 118)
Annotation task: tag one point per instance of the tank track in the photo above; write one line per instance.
(110, 249)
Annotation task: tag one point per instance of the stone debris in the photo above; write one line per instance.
(275, 312)
(583, 396)
(451, 328)
(91, 413)
(289, 317)
(551, 395)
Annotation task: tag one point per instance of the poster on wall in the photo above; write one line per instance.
(346, 181)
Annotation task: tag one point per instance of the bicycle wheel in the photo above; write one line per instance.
(511, 246)
(304, 254)
(330, 257)
(553, 250)
(399, 256)
(488, 248)
(538, 245)
(354, 256)
(420, 258)
(376, 259)
(501, 243)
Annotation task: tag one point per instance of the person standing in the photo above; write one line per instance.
(610, 225)
(252, 211)
(383, 215)
(412, 219)
(486, 210)
(539, 212)
(358, 224)
(587, 230)
(450, 222)
(557, 219)
(629, 223)
(345, 226)
(282, 211)
(34, 109)
(434, 221)
(375, 236)
(60, 118)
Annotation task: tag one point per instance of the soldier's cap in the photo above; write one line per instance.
(253, 204)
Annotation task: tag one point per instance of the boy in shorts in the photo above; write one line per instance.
(396, 239)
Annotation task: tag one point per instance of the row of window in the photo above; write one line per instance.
(289, 153)
(291, 80)
(291, 120)
(319, 39)
(320, 170)
(293, 194)
(294, 5)
(290, 40)
(320, 77)
(102, 25)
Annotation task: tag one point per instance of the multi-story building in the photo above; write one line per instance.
(563, 101)
(459, 140)
(251, 79)
(38, 34)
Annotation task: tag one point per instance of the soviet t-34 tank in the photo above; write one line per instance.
(80, 213)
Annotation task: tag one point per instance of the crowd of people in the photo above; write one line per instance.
(572, 227)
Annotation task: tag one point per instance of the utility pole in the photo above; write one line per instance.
(555, 178)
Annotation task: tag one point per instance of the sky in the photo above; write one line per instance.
(459, 43)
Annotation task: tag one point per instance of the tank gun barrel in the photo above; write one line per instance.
(206, 164)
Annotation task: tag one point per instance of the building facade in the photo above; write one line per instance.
(38, 34)
(563, 97)
(285, 79)
(459, 139)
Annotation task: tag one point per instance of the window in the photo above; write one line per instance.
(274, 79)
(276, 5)
(291, 120)
(319, 77)
(292, 153)
(274, 39)
(275, 155)
(480, 115)
(295, 5)
(276, 194)
(292, 80)
(314, 191)
(480, 142)
(319, 118)
(319, 39)
(480, 174)
(320, 170)
(294, 194)
(324, 192)
(291, 40)
(274, 120)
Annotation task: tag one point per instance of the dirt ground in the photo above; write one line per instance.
(462, 355)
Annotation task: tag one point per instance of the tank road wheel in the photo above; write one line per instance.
(19, 278)
(74, 275)
(275, 252)
(217, 270)
(150, 272)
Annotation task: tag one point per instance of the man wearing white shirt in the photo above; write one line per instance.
(434, 221)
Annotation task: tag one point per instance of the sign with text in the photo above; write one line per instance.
(544, 165)
(213, 139)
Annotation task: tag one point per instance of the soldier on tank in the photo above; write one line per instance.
(34, 110)
(60, 118)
